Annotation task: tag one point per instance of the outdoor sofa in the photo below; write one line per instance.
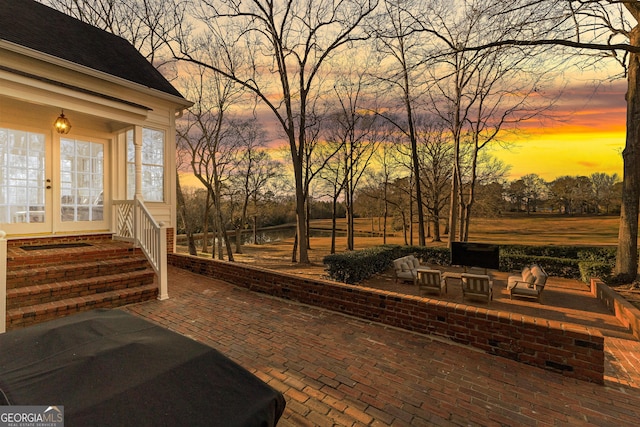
(405, 268)
(530, 283)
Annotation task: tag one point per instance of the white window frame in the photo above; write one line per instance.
(150, 192)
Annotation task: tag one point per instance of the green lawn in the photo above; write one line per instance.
(535, 229)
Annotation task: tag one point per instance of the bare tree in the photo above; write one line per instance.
(603, 189)
(251, 172)
(594, 30)
(478, 94)
(436, 161)
(333, 176)
(355, 134)
(535, 190)
(182, 208)
(386, 158)
(211, 138)
(287, 43)
(398, 40)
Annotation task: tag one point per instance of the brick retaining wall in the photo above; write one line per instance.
(571, 350)
(624, 311)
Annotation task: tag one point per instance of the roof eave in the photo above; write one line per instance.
(180, 102)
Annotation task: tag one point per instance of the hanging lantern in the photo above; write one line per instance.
(62, 124)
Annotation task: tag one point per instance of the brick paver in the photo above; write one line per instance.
(340, 371)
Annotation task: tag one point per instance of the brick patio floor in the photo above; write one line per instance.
(336, 370)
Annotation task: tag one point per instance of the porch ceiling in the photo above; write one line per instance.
(43, 115)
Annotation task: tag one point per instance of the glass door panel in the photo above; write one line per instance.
(23, 181)
(81, 181)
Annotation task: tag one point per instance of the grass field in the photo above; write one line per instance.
(547, 230)
(533, 229)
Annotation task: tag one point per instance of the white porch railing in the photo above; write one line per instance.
(134, 223)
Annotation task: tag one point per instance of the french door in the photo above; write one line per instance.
(47, 190)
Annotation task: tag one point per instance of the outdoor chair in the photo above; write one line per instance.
(477, 285)
(431, 281)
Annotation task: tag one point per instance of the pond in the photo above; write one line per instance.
(273, 234)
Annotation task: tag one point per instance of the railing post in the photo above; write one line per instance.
(3, 282)
(163, 288)
(137, 220)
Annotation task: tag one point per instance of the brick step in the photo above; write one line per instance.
(18, 258)
(31, 276)
(21, 317)
(98, 238)
(50, 292)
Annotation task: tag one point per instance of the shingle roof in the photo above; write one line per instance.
(41, 28)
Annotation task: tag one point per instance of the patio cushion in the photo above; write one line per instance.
(540, 276)
(512, 281)
(526, 274)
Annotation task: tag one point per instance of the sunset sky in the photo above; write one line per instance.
(588, 136)
(583, 134)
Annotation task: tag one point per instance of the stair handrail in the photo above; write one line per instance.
(134, 223)
(3, 282)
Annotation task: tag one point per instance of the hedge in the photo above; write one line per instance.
(573, 262)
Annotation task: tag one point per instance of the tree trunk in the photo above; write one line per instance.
(453, 209)
(404, 228)
(627, 256)
(294, 253)
(301, 232)
(350, 227)
(410, 212)
(461, 215)
(239, 240)
(227, 244)
(307, 216)
(436, 220)
(384, 223)
(205, 226)
(415, 164)
(334, 221)
(255, 229)
(216, 242)
(216, 245)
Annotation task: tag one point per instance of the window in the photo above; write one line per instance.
(152, 165)
(81, 180)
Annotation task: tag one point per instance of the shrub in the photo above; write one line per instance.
(589, 270)
(356, 266)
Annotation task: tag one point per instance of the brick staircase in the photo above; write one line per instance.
(59, 276)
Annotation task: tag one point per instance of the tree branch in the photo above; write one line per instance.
(556, 42)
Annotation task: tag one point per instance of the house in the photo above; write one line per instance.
(87, 139)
